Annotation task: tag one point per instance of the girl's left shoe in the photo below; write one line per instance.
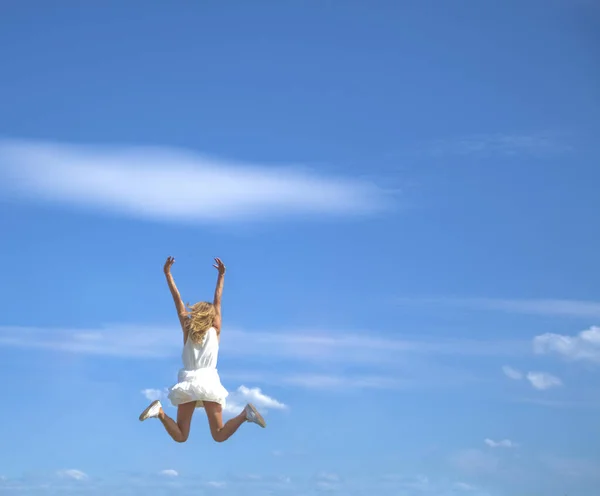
(151, 411)
(253, 416)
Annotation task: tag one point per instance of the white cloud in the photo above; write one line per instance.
(72, 474)
(216, 484)
(584, 346)
(243, 395)
(505, 443)
(559, 307)
(511, 373)
(155, 394)
(169, 473)
(539, 380)
(172, 185)
(543, 380)
(463, 486)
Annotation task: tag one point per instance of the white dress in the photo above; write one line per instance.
(199, 380)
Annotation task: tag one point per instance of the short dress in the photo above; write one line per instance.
(199, 380)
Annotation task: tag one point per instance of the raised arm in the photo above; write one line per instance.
(218, 293)
(181, 311)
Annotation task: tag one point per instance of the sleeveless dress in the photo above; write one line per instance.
(199, 380)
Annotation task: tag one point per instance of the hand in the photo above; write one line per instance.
(168, 264)
(219, 266)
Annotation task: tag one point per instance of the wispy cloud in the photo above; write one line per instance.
(503, 144)
(463, 486)
(512, 373)
(346, 381)
(236, 483)
(147, 341)
(110, 340)
(73, 474)
(539, 380)
(558, 307)
(169, 473)
(543, 380)
(551, 403)
(408, 484)
(216, 484)
(172, 185)
(504, 443)
(384, 376)
(311, 359)
(584, 346)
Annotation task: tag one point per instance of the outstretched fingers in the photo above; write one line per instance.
(168, 264)
(219, 265)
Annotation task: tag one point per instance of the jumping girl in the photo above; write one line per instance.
(199, 385)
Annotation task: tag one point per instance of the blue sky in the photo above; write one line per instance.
(404, 193)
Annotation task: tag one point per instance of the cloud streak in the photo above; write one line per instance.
(171, 185)
(543, 380)
(538, 380)
(504, 443)
(169, 473)
(148, 342)
(72, 474)
(549, 307)
(113, 340)
(500, 144)
(307, 359)
(511, 373)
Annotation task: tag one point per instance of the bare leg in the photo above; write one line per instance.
(179, 430)
(221, 432)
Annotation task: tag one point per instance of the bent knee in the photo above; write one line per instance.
(218, 437)
(181, 439)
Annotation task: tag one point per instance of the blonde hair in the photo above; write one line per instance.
(201, 318)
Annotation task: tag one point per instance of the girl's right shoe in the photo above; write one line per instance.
(253, 416)
(151, 411)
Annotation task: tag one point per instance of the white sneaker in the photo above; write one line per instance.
(152, 411)
(253, 416)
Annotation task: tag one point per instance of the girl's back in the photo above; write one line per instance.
(201, 355)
